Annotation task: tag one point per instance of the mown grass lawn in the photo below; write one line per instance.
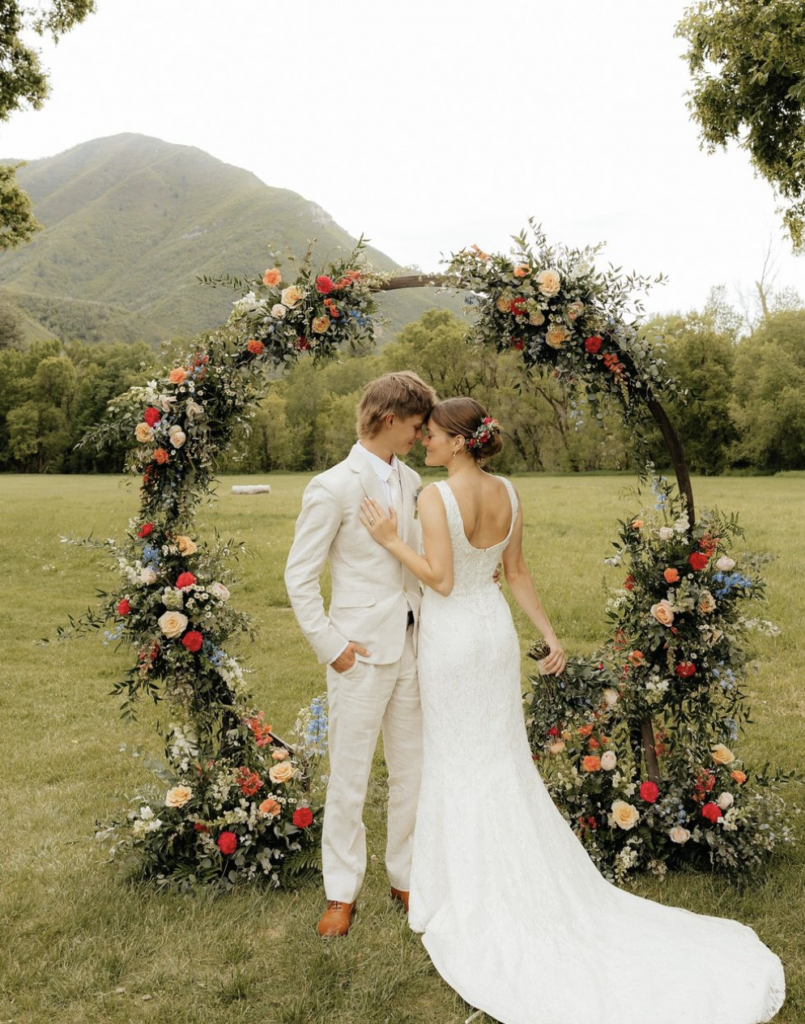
(79, 944)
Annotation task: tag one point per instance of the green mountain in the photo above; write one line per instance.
(131, 222)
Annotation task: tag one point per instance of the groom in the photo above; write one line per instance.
(367, 638)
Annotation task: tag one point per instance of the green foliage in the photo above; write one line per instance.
(747, 61)
(12, 331)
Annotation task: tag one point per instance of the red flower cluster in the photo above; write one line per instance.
(303, 344)
(303, 817)
(262, 733)
(704, 784)
(588, 822)
(324, 285)
(227, 843)
(708, 545)
(152, 416)
(123, 607)
(248, 781)
(698, 560)
(257, 348)
(613, 364)
(200, 827)
(629, 582)
(685, 669)
(193, 640)
(518, 344)
(712, 812)
(145, 530)
(332, 309)
(649, 791)
(186, 579)
(518, 307)
(593, 344)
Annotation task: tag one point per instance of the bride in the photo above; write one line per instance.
(514, 914)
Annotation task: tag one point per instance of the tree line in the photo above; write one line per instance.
(745, 409)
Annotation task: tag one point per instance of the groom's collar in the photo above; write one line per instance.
(360, 457)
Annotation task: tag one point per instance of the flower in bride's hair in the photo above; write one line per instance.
(624, 815)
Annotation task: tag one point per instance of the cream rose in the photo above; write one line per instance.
(679, 835)
(624, 814)
(178, 796)
(725, 563)
(707, 603)
(282, 772)
(503, 304)
(725, 800)
(557, 336)
(194, 410)
(666, 532)
(549, 283)
(611, 697)
(278, 311)
(608, 760)
(290, 296)
(143, 433)
(280, 754)
(557, 747)
(177, 438)
(185, 545)
(320, 324)
(722, 754)
(537, 318)
(148, 576)
(663, 612)
(220, 591)
(172, 624)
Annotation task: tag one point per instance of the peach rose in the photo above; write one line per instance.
(557, 336)
(172, 624)
(521, 270)
(637, 524)
(220, 591)
(178, 796)
(549, 283)
(280, 754)
(738, 776)
(679, 835)
(608, 760)
(272, 277)
(557, 747)
(177, 438)
(148, 576)
(503, 305)
(624, 814)
(707, 603)
(177, 376)
(537, 318)
(663, 612)
(143, 433)
(671, 576)
(270, 806)
(320, 324)
(291, 295)
(185, 545)
(636, 657)
(722, 754)
(282, 772)
(160, 456)
(591, 763)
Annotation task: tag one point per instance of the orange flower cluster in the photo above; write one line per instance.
(262, 733)
(332, 309)
(255, 347)
(704, 784)
(160, 456)
(591, 763)
(613, 364)
(249, 782)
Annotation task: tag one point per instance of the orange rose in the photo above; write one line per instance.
(738, 776)
(177, 376)
(636, 524)
(556, 336)
(636, 657)
(584, 730)
(671, 576)
(591, 763)
(160, 456)
(272, 277)
(271, 807)
(521, 270)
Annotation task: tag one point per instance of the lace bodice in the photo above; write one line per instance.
(472, 567)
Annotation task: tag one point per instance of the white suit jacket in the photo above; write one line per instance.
(372, 591)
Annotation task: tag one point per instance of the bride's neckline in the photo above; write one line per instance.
(463, 528)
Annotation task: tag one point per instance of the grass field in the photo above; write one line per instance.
(81, 945)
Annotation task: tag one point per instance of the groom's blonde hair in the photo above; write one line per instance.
(403, 394)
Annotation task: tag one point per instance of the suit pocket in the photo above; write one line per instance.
(354, 600)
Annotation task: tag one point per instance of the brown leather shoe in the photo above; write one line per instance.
(336, 919)
(401, 895)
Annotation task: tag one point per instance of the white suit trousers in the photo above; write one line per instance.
(363, 700)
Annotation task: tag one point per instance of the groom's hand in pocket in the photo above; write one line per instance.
(346, 659)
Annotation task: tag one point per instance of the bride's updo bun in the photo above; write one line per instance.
(464, 417)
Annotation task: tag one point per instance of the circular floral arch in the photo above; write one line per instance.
(238, 801)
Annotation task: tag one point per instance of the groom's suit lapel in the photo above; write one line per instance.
(371, 486)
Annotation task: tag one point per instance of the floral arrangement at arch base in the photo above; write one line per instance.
(677, 657)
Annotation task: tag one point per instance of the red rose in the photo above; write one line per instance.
(629, 582)
(553, 731)
(698, 561)
(152, 416)
(123, 607)
(518, 307)
(324, 285)
(593, 344)
(146, 530)
(685, 669)
(518, 344)
(649, 791)
(303, 344)
(255, 347)
(193, 640)
(302, 817)
(200, 827)
(227, 843)
(712, 812)
(187, 579)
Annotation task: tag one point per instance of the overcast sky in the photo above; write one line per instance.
(433, 124)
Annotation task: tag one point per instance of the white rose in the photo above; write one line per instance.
(220, 591)
(624, 815)
(278, 311)
(173, 624)
(666, 532)
(549, 283)
(611, 697)
(725, 801)
(178, 438)
(679, 835)
(725, 563)
(608, 760)
(148, 576)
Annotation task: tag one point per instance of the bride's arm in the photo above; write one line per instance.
(435, 567)
(522, 586)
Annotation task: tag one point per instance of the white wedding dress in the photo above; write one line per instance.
(514, 914)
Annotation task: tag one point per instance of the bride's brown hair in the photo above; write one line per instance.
(461, 417)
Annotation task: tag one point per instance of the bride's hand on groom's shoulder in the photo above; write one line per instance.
(382, 526)
(553, 664)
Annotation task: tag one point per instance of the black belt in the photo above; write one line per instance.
(410, 619)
